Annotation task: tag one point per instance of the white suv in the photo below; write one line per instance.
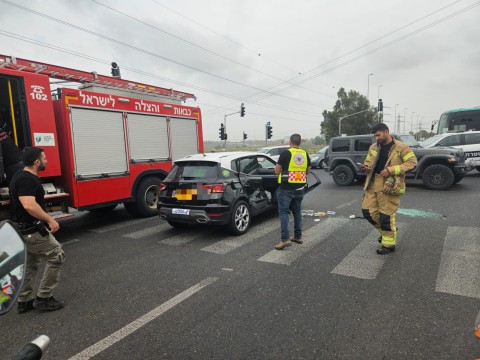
(274, 151)
(468, 141)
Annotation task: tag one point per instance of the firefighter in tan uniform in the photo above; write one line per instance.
(386, 164)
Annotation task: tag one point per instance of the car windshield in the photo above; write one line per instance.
(263, 150)
(409, 140)
(193, 170)
(430, 141)
(323, 150)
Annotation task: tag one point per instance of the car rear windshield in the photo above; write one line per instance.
(193, 170)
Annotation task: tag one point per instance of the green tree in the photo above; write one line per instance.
(347, 104)
(318, 140)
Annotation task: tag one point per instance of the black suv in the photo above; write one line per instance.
(439, 167)
(220, 189)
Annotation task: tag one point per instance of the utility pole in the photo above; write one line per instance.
(368, 86)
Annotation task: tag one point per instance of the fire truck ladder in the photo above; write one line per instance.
(83, 77)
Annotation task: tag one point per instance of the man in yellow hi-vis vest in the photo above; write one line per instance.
(386, 164)
(292, 168)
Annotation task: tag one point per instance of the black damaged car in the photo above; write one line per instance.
(220, 189)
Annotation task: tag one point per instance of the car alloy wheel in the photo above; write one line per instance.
(242, 217)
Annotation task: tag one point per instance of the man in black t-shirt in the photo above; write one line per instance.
(292, 168)
(28, 212)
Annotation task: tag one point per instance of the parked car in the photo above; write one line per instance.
(439, 168)
(274, 151)
(318, 159)
(220, 189)
(468, 141)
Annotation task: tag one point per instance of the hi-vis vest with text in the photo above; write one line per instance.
(297, 168)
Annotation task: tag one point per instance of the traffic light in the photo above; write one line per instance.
(222, 134)
(242, 110)
(244, 136)
(269, 131)
(380, 105)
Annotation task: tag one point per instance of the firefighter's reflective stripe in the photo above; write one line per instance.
(401, 191)
(297, 168)
(397, 169)
(408, 156)
(374, 152)
(388, 241)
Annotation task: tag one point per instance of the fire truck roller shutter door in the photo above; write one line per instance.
(99, 142)
(148, 137)
(183, 137)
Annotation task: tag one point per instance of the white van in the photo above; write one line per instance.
(468, 141)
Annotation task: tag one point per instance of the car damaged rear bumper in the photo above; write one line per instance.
(194, 216)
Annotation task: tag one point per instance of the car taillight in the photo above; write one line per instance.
(163, 186)
(214, 188)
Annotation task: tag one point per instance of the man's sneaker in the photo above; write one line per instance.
(385, 250)
(298, 241)
(283, 244)
(48, 304)
(24, 306)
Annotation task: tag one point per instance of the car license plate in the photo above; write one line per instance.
(181, 211)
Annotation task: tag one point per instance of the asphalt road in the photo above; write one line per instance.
(138, 289)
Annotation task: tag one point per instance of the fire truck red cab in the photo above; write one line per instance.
(107, 142)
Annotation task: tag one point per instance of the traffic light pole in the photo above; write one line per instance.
(225, 126)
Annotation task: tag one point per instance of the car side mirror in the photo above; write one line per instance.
(13, 259)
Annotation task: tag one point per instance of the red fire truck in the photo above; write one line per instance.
(107, 142)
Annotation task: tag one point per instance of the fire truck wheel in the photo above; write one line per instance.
(147, 197)
(103, 210)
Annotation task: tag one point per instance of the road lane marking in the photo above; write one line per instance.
(459, 271)
(312, 237)
(183, 238)
(146, 232)
(363, 262)
(233, 242)
(100, 346)
(120, 225)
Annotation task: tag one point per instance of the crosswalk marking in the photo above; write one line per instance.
(363, 262)
(183, 238)
(312, 237)
(459, 272)
(146, 232)
(233, 242)
(121, 225)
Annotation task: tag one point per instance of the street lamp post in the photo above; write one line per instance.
(368, 86)
(404, 119)
(411, 123)
(395, 119)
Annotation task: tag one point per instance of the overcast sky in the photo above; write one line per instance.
(285, 60)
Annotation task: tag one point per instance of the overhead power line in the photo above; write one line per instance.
(201, 47)
(257, 53)
(265, 95)
(144, 73)
(146, 51)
